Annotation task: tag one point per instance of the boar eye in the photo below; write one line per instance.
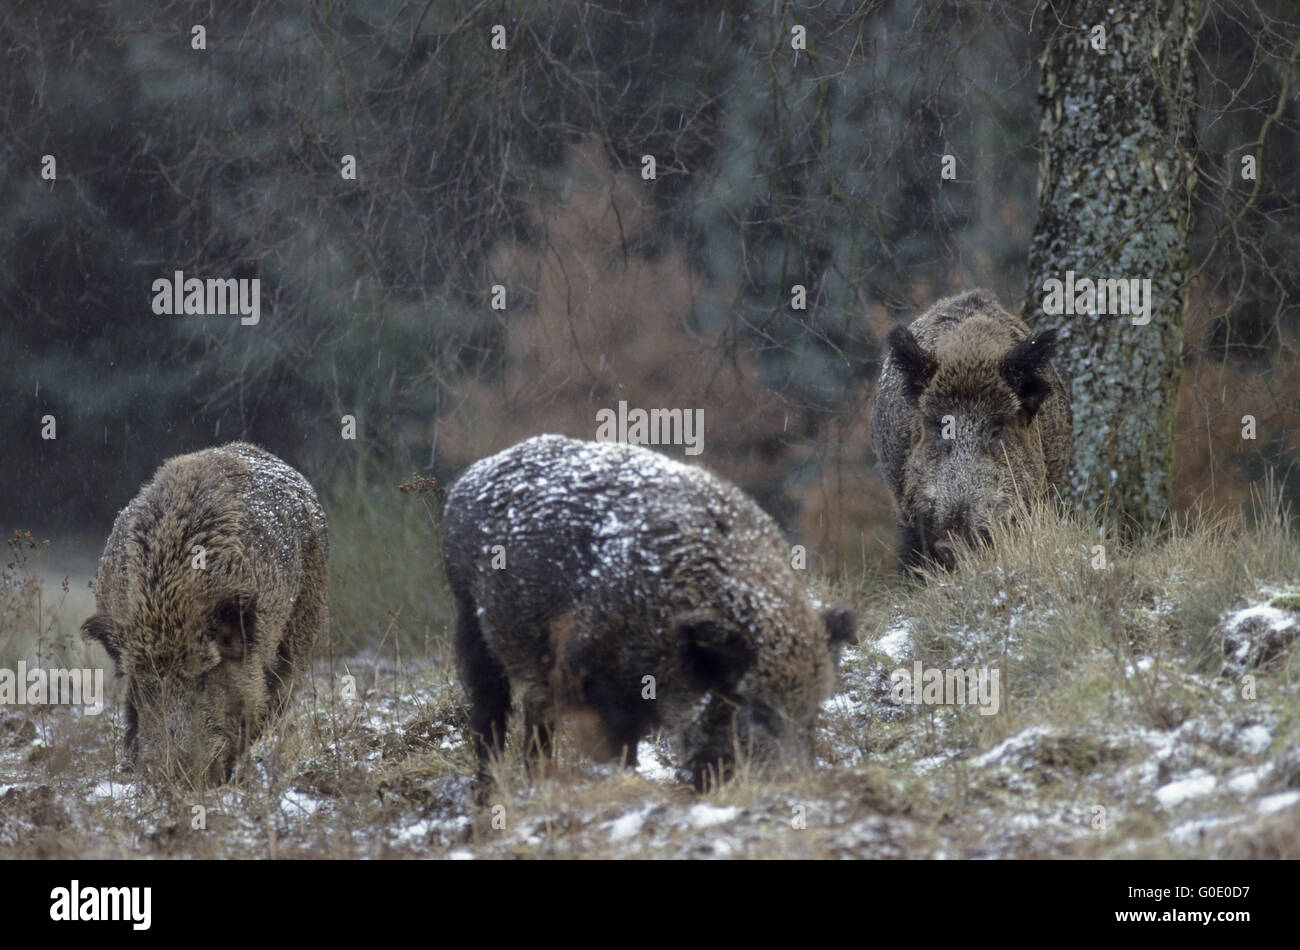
(234, 624)
(996, 428)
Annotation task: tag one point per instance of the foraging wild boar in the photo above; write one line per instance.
(582, 569)
(209, 596)
(969, 417)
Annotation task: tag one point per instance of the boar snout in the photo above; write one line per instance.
(171, 739)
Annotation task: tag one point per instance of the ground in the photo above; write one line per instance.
(1146, 708)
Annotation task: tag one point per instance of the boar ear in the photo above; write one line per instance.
(916, 366)
(1023, 369)
(100, 629)
(234, 623)
(841, 626)
(712, 655)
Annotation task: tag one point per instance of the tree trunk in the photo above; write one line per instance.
(1114, 201)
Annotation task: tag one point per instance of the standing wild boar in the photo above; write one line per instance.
(581, 570)
(210, 594)
(969, 416)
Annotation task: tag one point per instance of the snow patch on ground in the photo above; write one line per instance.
(1193, 832)
(1278, 802)
(896, 641)
(111, 790)
(628, 825)
(1255, 636)
(1255, 739)
(1195, 785)
(652, 764)
(706, 816)
(1247, 783)
(419, 831)
(1008, 751)
(1273, 618)
(294, 801)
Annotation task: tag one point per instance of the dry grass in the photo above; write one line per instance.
(37, 608)
(1115, 702)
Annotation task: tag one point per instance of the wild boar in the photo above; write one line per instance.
(969, 417)
(630, 591)
(210, 594)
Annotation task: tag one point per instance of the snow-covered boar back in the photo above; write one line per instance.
(579, 569)
(209, 596)
(969, 417)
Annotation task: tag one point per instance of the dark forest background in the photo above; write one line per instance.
(523, 167)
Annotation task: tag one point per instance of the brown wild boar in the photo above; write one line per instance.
(969, 417)
(210, 593)
(631, 591)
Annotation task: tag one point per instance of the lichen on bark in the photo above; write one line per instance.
(1114, 201)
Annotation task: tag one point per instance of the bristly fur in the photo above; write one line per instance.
(581, 568)
(969, 415)
(210, 594)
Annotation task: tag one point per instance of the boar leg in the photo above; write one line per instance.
(624, 746)
(486, 683)
(625, 717)
(307, 626)
(912, 554)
